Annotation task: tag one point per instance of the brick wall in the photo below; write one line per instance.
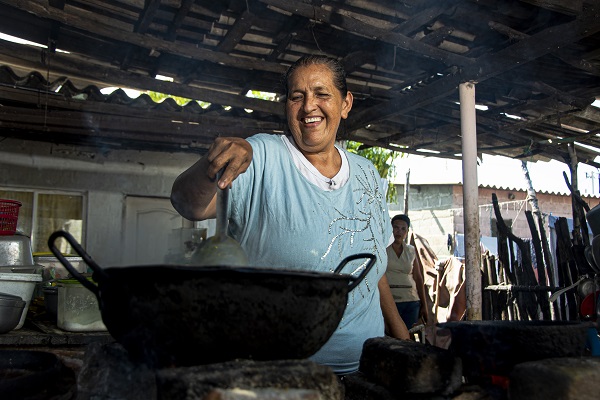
(436, 210)
(426, 197)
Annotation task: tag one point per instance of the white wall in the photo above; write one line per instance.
(106, 178)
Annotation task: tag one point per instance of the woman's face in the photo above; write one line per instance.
(400, 229)
(315, 107)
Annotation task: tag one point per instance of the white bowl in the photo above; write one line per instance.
(11, 309)
(21, 285)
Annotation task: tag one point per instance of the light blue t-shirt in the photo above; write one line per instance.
(284, 221)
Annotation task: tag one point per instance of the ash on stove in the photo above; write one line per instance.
(108, 372)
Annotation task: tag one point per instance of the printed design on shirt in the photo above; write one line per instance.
(363, 221)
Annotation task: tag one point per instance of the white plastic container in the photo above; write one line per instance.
(53, 269)
(21, 285)
(77, 309)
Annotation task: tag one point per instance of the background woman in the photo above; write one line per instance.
(404, 275)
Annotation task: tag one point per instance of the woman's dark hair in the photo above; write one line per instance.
(401, 217)
(336, 68)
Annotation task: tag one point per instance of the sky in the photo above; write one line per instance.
(546, 176)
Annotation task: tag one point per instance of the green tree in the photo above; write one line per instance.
(182, 101)
(383, 160)
(261, 95)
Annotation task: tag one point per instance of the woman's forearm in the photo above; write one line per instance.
(393, 322)
(420, 284)
(193, 193)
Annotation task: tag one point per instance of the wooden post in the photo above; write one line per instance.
(542, 250)
(470, 200)
(406, 189)
(577, 239)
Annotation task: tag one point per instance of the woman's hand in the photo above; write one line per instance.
(194, 191)
(232, 153)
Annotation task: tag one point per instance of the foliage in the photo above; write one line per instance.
(262, 95)
(182, 101)
(383, 160)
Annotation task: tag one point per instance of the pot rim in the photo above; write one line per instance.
(225, 268)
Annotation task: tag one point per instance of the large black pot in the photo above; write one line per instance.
(167, 315)
(495, 347)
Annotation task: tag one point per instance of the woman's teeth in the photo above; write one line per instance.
(313, 119)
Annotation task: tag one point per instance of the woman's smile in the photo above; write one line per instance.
(312, 120)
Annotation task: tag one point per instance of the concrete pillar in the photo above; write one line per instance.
(470, 200)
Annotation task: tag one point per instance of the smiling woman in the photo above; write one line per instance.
(298, 201)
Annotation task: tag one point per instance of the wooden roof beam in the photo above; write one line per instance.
(75, 68)
(352, 65)
(438, 36)
(353, 61)
(234, 35)
(421, 18)
(37, 8)
(60, 4)
(147, 16)
(486, 67)
(142, 125)
(141, 26)
(182, 12)
(374, 32)
(569, 7)
(562, 53)
(236, 32)
(285, 38)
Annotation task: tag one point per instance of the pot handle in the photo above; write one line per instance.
(356, 280)
(80, 251)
